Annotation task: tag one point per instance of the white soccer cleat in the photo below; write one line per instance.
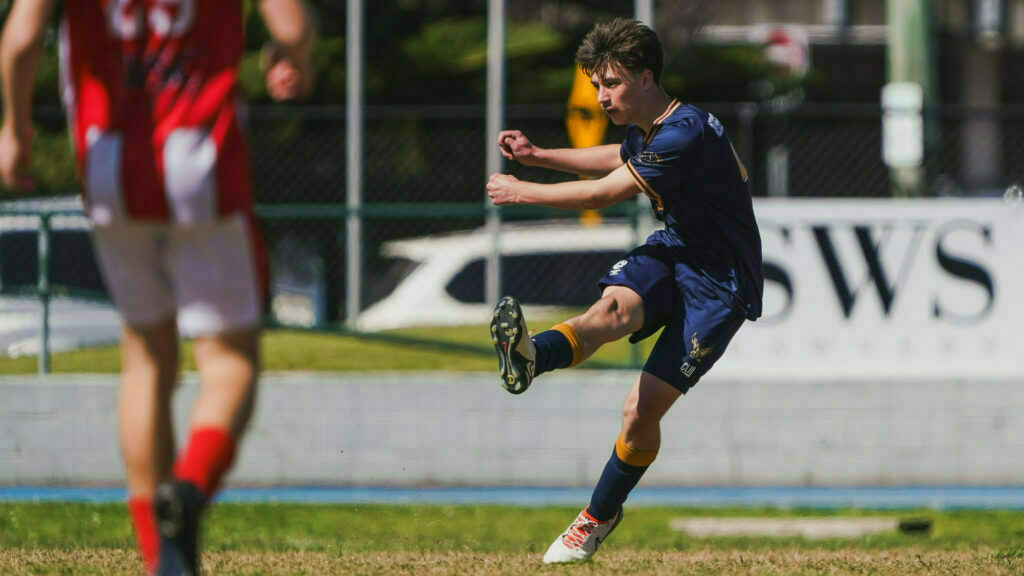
(581, 539)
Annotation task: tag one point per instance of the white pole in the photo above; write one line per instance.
(643, 10)
(835, 13)
(495, 119)
(354, 161)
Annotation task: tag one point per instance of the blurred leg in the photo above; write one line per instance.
(217, 281)
(148, 376)
(228, 368)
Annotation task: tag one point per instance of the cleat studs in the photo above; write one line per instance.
(494, 328)
(504, 324)
(514, 315)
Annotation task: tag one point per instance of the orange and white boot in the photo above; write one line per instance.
(581, 539)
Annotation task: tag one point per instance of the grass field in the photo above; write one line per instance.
(50, 538)
(441, 348)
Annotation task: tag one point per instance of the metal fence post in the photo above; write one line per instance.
(353, 163)
(493, 159)
(44, 292)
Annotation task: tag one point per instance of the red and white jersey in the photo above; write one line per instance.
(150, 88)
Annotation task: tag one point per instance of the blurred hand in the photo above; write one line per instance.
(515, 146)
(286, 80)
(502, 189)
(16, 158)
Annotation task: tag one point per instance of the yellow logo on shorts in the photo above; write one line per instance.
(698, 352)
(649, 157)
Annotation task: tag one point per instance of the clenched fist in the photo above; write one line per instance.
(515, 146)
(502, 189)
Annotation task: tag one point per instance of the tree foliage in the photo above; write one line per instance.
(429, 52)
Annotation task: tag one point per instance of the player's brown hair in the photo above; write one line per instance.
(621, 43)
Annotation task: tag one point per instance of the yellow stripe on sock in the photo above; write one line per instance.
(634, 457)
(574, 342)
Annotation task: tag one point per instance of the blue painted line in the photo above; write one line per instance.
(933, 497)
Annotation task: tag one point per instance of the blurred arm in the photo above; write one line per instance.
(20, 49)
(291, 28)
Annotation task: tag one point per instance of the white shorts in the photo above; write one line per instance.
(207, 275)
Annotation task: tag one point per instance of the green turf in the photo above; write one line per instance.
(292, 539)
(351, 529)
(461, 348)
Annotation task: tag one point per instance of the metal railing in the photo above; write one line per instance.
(44, 289)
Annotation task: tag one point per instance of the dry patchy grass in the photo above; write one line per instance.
(907, 561)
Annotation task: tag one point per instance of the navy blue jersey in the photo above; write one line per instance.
(697, 185)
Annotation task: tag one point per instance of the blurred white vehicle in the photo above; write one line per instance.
(546, 266)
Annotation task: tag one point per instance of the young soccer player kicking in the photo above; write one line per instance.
(151, 91)
(699, 278)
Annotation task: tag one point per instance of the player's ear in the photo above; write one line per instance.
(648, 78)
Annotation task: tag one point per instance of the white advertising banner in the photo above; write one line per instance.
(887, 288)
(854, 288)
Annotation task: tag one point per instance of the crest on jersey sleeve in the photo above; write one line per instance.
(715, 124)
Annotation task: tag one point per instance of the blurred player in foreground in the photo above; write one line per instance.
(699, 277)
(151, 92)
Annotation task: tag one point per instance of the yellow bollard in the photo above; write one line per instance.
(586, 124)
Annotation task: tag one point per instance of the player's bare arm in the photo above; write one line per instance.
(595, 161)
(288, 60)
(20, 50)
(505, 189)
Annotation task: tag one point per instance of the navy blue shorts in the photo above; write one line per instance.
(698, 324)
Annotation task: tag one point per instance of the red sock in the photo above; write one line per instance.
(208, 455)
(141, 510)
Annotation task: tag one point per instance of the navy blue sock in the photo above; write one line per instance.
(553, 351)
(617, 481)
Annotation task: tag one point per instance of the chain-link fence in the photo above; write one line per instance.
(436, 154)
(422, 221)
